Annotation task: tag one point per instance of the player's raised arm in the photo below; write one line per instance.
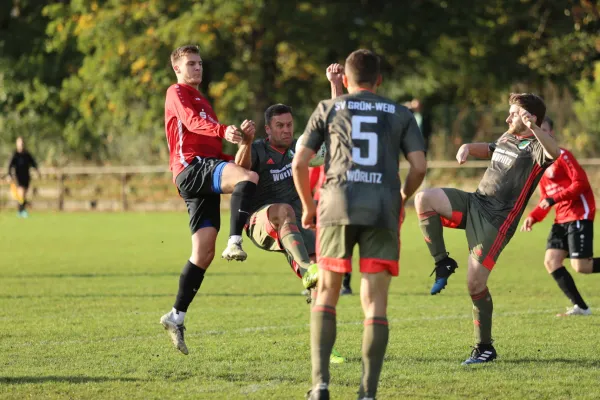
(335, 73)
(477, 150)
(549, 144)
(243, 157)
(181, 103)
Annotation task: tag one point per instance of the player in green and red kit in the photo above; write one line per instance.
(201, 173)
(489, 216)
(566, 186)
(360, 203)
(275, 211)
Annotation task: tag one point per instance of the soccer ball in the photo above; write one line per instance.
(319, 157)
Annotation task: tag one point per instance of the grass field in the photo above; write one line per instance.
(81, 296)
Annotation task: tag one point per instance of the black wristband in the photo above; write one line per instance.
(550, 201)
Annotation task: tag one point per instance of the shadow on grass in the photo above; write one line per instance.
(503, 361)
(21, 380)
(576, 361)
(137, 275)
(143, 295)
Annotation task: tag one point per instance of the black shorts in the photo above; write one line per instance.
(199, 185)
(23, 181)
(576, 238)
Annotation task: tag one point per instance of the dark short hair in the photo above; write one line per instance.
(275, 110)
(363, 66)
(182, 51)
(549, 121)
(531, 103)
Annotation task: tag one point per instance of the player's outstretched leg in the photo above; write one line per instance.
(430, 204)
(241, 183)
(483, 308)
(190, 280)
(282, 218)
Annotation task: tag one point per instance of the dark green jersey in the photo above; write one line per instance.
(364, 134)
(275, 183)
(516, 167)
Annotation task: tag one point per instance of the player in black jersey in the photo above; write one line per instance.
(274, 223)
(489, 216)
(19, 171)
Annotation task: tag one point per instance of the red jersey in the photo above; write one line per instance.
(568, 185)
(316, 178)
(192, 128)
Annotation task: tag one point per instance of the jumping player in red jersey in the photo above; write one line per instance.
(201, 173)
(566, 185)
(490, 216)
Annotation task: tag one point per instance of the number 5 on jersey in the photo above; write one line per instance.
(370, 158)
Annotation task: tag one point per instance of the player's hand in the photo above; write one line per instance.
(249, 130)
(334, 73)
(528, 119)
(233, 135)
(463, 154)
(547, 203)
(309, 215)
(527, 224)
(402, 215)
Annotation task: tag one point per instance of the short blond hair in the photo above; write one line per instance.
(182, 51)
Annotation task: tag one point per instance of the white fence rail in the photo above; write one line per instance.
(53, 191)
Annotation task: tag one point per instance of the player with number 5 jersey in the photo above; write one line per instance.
(366, 134)
(360, 203)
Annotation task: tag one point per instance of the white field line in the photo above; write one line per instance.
(264, 328)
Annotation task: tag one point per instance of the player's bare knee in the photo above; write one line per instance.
(286, 211)
(552, 264)
(475, 285)
(279, 213)
(373, 304)
(203, 258)
(582, 266)
(250, 176)
(421, 201)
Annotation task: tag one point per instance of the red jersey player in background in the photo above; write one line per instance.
(565, 184)
(201, 173)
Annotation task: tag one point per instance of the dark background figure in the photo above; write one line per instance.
(18, 170)
(423, 120)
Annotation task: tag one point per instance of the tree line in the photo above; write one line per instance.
(84, 81)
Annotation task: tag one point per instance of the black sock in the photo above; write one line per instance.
(240, 205)
(596, 265)
(346, 282)
(567, 284)
(189, 283)
(21, 207)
